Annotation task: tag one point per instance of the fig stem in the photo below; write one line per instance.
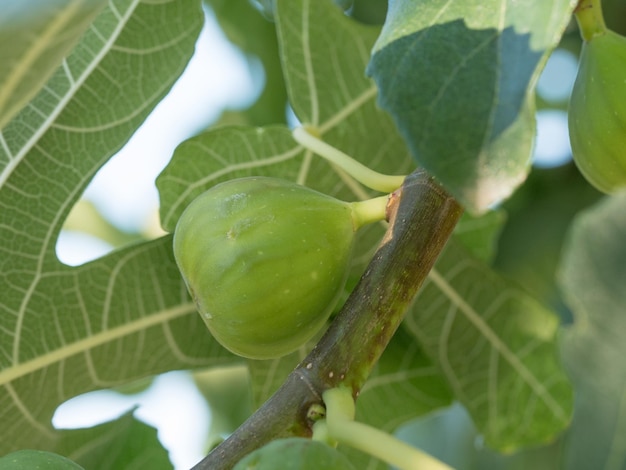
(590, 20)
(341, 427)
(368, 211)
(306, 137)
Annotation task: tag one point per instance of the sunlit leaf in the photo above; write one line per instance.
(479, 235)
(458, 77)
(538, 217)
(66, 331)
(35, 37)
(227, 391)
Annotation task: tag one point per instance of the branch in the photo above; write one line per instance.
(421, 219)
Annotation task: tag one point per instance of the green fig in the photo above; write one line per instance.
(597, 112)
(295, 453)
(265, 261)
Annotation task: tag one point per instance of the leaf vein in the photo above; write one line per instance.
(535, 384)
(71, 349)
(45, 125)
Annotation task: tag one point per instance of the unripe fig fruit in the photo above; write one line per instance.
(295, 453)
(265, 261)
(597, 112)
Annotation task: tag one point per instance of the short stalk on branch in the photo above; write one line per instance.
(363, 174)
(342, 428)
(370, 210)
(421, 217)
(590, 19)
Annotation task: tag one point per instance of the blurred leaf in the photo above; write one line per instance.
(35, 37)
(85, 217)
(249, 29)
(593, 279)
(496, 346)
(125, 443)
(451, 436)
(479, 235)
(266, 7)
(136, 386)
(538, 217)
(227, 391)
(369, 11)
(324, 55)
(458, 78)
(66, 331)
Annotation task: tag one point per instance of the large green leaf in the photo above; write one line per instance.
(65, 331)
(35, 36)
(458, 77)
(324, 55)
(593, 279)
(497, 348)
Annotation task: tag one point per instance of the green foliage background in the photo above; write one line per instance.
(484, 331)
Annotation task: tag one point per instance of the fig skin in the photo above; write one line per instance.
(265, 261)
(597, 112)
